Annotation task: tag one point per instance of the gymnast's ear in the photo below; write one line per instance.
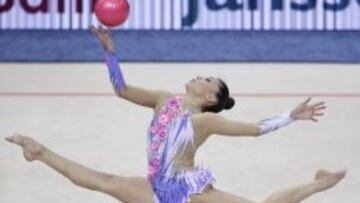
(210, 99)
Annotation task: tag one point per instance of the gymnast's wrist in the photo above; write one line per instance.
(292, 116)
(110, 49)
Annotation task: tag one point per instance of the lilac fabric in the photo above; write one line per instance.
(170, 134)
(275, 122)
(115, 73)
(179, 187)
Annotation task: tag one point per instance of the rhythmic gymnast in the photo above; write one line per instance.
(181, 124)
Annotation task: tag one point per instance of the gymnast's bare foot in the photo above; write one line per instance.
(322, 173)
(32, 150)
(328, 179)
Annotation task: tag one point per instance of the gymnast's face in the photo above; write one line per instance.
(204, 87)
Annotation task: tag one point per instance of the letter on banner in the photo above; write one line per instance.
(192, 16)
(277, 4)
(230, 4)
(43, 6)
(336, 6)
(310, 4)
(7, 6)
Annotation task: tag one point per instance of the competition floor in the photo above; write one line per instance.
(70, 108)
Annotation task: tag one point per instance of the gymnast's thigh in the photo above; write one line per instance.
(213, 195)
(130, 189)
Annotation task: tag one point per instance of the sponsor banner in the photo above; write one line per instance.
(188, 14)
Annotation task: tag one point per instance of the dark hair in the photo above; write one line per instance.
(224, 100)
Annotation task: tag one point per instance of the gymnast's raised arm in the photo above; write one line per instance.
(215, 124)
(137, 95)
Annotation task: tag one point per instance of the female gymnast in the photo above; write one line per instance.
(181, 124)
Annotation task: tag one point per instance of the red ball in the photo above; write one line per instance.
(112, 12)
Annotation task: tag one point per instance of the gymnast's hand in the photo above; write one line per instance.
(104, 37)
(304, 111)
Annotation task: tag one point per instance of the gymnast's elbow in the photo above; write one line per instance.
(118, 93)
(121, 92)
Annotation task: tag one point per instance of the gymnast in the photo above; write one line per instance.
(181, 124)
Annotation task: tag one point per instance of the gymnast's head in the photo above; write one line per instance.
(212, 94)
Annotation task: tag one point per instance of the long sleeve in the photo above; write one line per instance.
(115, 72)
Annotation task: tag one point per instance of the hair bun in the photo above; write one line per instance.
(230, 102)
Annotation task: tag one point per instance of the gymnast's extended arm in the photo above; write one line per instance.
(137, 95)
(215, 124)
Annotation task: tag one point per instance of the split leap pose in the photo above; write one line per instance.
(181, 124)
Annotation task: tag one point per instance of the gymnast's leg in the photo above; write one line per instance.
(126, 189)
(213, 195)
(323, 180)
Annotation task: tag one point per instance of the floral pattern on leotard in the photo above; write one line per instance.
(159, 132)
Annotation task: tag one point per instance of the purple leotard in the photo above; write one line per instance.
(170, 134)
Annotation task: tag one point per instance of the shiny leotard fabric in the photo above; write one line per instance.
(170, 134)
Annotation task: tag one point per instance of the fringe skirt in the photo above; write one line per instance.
(178, 187)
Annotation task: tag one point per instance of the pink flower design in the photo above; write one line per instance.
(164, 119)
(151, 172)
(174, 104)
(172, 114)
(155, 145)
(162, 134)
(154, 128)
(158, 129)
(155, 162)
